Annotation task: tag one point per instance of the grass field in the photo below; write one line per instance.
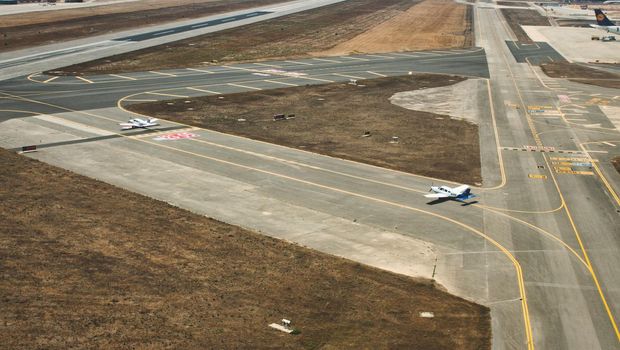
(331, 119)
(88, 265)
(361, 25)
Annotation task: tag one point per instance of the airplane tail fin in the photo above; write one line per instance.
(601, 19)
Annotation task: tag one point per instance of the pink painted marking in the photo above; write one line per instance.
(175, 136)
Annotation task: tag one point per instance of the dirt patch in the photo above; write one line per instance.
(297, 35)
(516, 18)
(39, 28)
(581, 74)
(513, 3)
(616, 163)
(423, 30)
(331, 119)
(86, 264)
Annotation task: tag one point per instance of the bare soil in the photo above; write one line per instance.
(38, 28)
(581, 74)
(418, 28)
(298, 35)
(88, 265)
(516, 18)
(331, 119)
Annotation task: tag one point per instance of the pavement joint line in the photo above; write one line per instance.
(203, 90)
(377, 74)
(163, 73)
(472, 229)
(50, 79)
(568, 213)
(405, 55)
(348, 76)
(122, 76)
(267, 65)
(354, 58)
(244, 86)
(200, 70)
(299, 62)
(280, 82)
(161, 94)
(84, 79)
(325, 60)
(380, 56)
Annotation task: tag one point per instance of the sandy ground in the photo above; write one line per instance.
(457, 101)
(86, 265)
(612, 113)
(429, 144)
(576, 44)
(430, 24)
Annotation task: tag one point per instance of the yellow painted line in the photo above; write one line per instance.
(203, 90)
(171, 95)
(602, 177)
(507, 253)
(31, 77)
(562, 163)
(348, 76)
(537, 176)
(200, 70)
(50, 79)
(579, 160)
(122, 77)
(280, 82)
(377, 74)
(244, 86)
(162, 73)
(609, 144)
(140, 100)
(267, 65)
(562, 168)
(500, 159)
(326, 60)
(84, 79)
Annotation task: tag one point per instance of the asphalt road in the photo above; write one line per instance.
(49, 57)
(540, 247)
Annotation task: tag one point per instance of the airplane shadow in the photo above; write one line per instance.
(441, 200)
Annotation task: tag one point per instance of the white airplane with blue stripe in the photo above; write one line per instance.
(459, 193)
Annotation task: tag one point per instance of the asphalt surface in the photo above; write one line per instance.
(540, 246)
(49, 57)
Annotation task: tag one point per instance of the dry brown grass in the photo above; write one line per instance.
(581, 74)
(430, 24)
(430, 144)
(38, 28)
(297, 35)
(88, 265)
(516, 18)
(616, 163)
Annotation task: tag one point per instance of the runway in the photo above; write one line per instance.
(540, 248)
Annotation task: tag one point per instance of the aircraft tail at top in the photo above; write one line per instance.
(601, 19)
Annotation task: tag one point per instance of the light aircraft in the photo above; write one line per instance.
(459, 193)
(604, 23)
(138, 123)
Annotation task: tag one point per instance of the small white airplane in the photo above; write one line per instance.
(459, 193)
(138, 123)
(602, 22)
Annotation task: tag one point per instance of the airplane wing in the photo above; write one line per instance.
(437, 195)
(459, 189)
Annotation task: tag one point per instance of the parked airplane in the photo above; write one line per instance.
(604, 23)
(137, 123)
(460, 193)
